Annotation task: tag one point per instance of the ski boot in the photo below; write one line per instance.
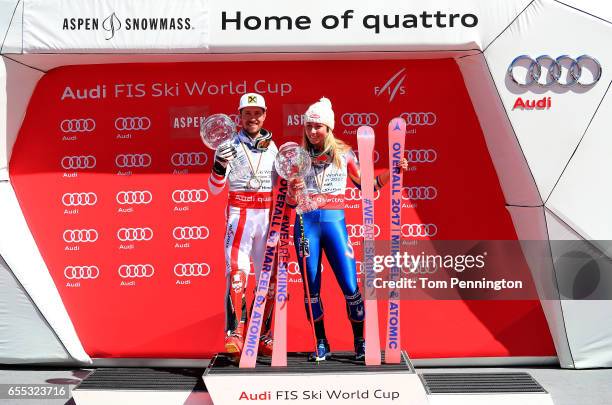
(266, 344)
(234, 340)
(323, 351)
(359, 349)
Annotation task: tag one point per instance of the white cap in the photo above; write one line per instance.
(252, 100)
(321, 113)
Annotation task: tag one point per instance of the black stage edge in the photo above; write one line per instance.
(144, 379)
(297, 363)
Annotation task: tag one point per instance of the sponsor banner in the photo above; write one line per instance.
(112, 177)
(68, 25)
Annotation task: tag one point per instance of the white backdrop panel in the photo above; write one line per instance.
(26, 336)
(21, 254)
(510, 165)
(582, 277)
(530, 226)
(49, 25)
(548, 137)
(583, 196)
(17, 83)
(493, 17)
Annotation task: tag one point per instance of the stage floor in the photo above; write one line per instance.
(567, 387)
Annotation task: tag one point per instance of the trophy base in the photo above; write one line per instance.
(338, 380)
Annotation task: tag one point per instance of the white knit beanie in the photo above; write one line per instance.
(321, 113)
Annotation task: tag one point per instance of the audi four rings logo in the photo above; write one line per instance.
(190, 232)
(78, 162)
(191, 269)
(134, 234)
(419, 118)
(422, 269)
(375, 156)
(236, 119)
(78, 125)
(358, 119)
(77, 199)
(293, 269)
(81, 272)
(189, 159)
(421, 155)
(411, 230)
(133, 160)
(80, 235)
(190, 196)
(419, 193)
(134, 197)
(132, 123)
(553, 70)
(356, 231)
(354, 194)
(136, 270)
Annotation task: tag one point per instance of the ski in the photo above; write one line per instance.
(365, 143)
(397, 136)
(279, 351)
(256, 320)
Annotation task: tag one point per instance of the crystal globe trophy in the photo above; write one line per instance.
(293, 162)
(217, 132)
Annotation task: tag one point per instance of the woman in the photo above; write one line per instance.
(325, 228)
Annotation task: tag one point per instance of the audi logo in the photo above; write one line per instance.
(419, 118)
(412, 230)
(421, 155)
(236, 119)
(134, 197)
(134, 234)
(189, 159)
(133, 160)
(78, 199)
(356, 230)
(191, 269)
(553, 68)
(419, 193)
(375, 155)
(136, 270)
(81, 272)
(132, 123)
(190, 196)
(78, 125)
(190, 232)
(358, 119)
(354, 194)
(293, 269)
(80, 235)
(78, 162)
(421, 269)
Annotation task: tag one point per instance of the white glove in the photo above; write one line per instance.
(225, 154)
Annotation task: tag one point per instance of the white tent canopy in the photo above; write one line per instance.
(541, 159)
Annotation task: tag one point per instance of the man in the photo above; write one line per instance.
(248, 213)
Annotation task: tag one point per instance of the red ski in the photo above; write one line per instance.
(365, 142)
(279, 352)
(397, 136)
(251, 341)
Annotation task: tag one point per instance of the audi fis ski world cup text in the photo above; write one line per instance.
(175, 89)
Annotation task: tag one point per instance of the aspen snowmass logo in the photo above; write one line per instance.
(113, 23)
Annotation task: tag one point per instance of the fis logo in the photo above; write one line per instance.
(393, 86)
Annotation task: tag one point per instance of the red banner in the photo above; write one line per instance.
(112, 177)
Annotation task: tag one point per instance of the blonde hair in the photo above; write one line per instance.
(332, 145)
